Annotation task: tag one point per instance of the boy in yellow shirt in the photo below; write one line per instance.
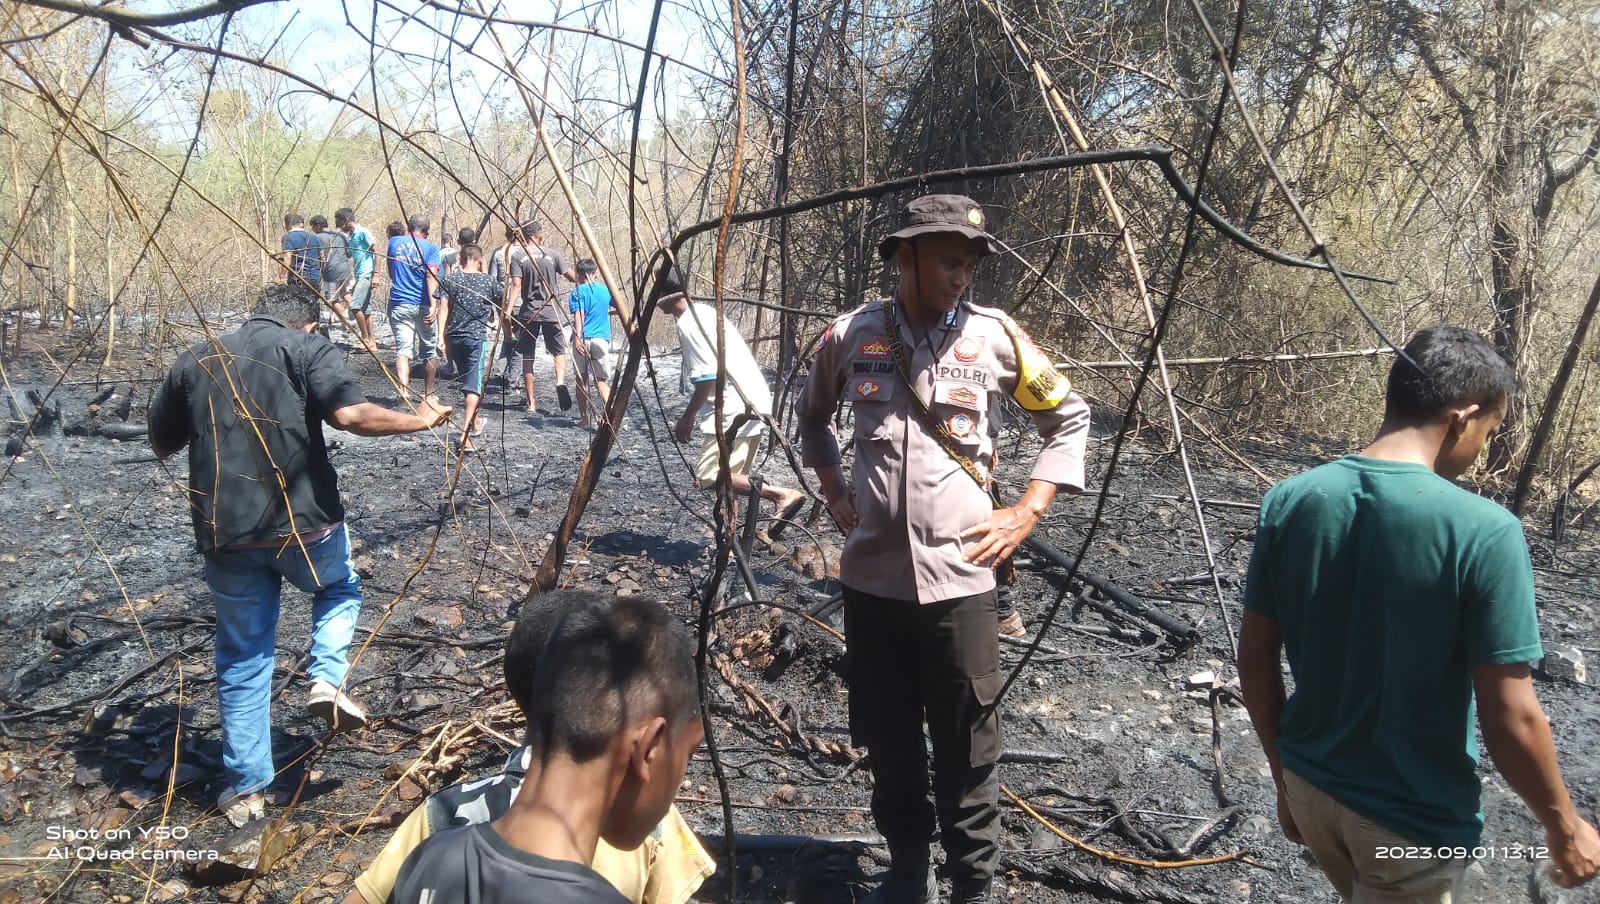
(666, 869)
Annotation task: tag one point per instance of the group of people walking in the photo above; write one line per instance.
(1396, 595)
(455, 299)
(336, 263)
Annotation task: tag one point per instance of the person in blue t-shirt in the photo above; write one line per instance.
(1400, 596)
(413, 279)
(590, 304)
(301, 253)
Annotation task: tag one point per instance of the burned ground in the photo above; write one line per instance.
(109, 698)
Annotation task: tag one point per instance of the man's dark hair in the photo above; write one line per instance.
(319, 222)
(419, 223)
(583, 665)
(343, 215)
(291, 220)
(533, 229)
(470, 251)
(466, 235)
(525, 646)
(293, 305)
(396, 228)
(587, 266)
(670, 281)
(1458, 367)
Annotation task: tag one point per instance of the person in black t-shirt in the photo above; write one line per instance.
(265, 503)
(613, 718)
(468, 306)
(541, 309)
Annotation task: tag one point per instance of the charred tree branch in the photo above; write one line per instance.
(1552, 401)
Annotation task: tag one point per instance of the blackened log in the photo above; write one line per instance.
(1179, 630)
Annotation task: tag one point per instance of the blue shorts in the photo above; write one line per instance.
(470, 357)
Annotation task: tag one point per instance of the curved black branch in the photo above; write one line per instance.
(1574, 166)
(647, 48)
(129, 18)
(1157, 154)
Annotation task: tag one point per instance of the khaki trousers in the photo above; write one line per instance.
(1365, 862)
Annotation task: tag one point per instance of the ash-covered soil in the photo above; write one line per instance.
(109, 702)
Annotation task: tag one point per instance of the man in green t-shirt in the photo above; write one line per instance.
(1398, 596)
(362, 262)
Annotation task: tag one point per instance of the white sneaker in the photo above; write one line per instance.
(335, 707)
(241, 811)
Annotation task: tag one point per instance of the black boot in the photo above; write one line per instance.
(970, 891)
(916, 885)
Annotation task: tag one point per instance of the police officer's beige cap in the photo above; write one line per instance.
(940, 213)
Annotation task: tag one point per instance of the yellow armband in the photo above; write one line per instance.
(1039, 386)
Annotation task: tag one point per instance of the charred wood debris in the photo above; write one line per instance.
(776, 652)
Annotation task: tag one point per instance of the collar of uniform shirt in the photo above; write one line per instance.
(947, 323)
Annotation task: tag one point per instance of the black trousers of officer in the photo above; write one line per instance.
(941, 661)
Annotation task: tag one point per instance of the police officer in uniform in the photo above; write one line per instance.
(923, 372)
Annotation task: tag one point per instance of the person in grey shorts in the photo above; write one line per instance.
(362, 265)
(336, 264)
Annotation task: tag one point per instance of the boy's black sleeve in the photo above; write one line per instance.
(167, 421)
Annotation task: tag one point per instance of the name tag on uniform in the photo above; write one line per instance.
(857, 368)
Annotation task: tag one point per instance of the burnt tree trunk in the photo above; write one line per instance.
(1552, 401)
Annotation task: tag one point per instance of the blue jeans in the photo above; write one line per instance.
(245, 584)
